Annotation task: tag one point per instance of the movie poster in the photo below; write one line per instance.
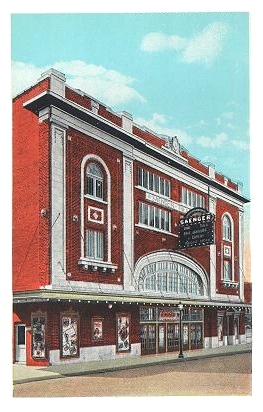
(38, 324)
(69, 326)
(123, 332)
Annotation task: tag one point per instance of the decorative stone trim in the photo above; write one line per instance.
(230, 284)
(95, 266)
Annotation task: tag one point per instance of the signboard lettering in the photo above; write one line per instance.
(196, 228)
(170, 204)
(168, 314)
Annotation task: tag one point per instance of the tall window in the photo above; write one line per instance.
(227, 270)
(192, 199)
(154, 217)
(94, 181)
(152, 182)
(227, 232)
(227, 261)
(94, 245)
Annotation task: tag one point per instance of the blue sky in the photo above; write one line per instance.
(189, 79)
(184, 74)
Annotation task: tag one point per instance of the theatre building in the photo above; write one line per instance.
(123, 243)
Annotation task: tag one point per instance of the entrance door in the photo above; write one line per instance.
(148, 339)
(161, 338)
(185, 336)
(196, 336)
(220, 329)
(227, 331)
(20, 339)
(236, 330)
(172, 337)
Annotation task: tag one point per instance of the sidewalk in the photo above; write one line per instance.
(23, 374)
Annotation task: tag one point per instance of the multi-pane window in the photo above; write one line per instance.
(94, 186)
(192, 199)
(172, 282)
(147, 314)
(170, 277)
(154, 217)
(227, 262)
(153, 182)
(94, 245)
(227, 232)
(227, 270)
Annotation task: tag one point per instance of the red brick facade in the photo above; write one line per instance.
(133, 273)
(77, 146)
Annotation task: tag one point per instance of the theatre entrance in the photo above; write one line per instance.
(160, 329)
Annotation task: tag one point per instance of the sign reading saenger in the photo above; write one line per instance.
(196, 228)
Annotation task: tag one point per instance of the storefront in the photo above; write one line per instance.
(65, 330)
(160, 329)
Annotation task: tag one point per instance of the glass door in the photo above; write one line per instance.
(172, 337)
(20, 342)
(143, 339)
(185, 336)
(161, 338)
(151, 339)
(148, 339)
(220, 330)
(196, 336)
(236, 330)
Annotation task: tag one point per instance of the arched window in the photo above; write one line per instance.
(227, 230)
(95, 218)
(94, 185)
(170, 277)
(227, 249)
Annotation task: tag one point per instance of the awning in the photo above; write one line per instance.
(85, 297)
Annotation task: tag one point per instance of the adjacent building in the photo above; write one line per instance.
(114, 228)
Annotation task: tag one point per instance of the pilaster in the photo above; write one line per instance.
(57, 222)
(241, 254)
(212, 252)
(128, 223)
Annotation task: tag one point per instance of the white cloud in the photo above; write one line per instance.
(207, 45)
(24, 75)
(159, 41)
(109, 86)
(158, 124)
(204, 47)
(219, 139)
(224, 120)
(213, 142)
(241, 144)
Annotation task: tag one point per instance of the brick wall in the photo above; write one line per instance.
(30, 194)
(79, 146)
(147, 240)
(221, 208)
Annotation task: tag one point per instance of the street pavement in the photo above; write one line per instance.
(23, 373)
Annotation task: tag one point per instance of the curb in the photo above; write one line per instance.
(125, 367)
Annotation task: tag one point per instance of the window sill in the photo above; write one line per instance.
(97, 266)
(165, 197)
(96, 199)
(155, 229)
(230, 284)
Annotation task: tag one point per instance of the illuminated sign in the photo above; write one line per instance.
(169, 314)
(196, 228)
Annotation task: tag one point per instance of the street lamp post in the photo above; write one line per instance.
(180, 307)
